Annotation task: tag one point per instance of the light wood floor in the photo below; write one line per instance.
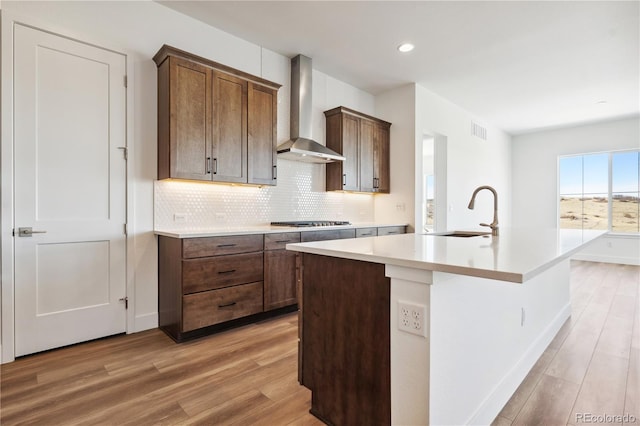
(249, 375)
(593, 364)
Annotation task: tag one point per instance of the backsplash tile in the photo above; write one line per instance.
(299, 195)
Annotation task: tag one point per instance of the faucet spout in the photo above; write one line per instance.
(493, 225)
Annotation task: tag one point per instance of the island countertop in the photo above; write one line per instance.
(516, 255)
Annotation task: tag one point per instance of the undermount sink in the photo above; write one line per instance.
(463, 234)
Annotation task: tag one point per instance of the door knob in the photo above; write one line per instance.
(28, 231)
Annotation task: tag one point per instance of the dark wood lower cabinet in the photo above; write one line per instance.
(216, 306)
(208, 284)
(345, 340)
(279, 279)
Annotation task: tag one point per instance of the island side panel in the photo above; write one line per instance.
(345, 340)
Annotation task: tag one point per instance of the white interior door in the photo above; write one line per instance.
(70, 182)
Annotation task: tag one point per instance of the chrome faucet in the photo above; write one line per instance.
(493, 225)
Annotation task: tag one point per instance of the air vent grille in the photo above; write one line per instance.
(478, 131)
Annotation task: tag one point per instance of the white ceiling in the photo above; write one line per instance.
(521, 66)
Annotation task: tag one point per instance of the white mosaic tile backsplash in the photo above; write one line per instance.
(299, 195)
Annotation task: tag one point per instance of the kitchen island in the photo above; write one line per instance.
(476, 312)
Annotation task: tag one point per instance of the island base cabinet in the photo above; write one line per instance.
(345, 340)
(216, 306)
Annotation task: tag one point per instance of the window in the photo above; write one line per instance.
(600, 191)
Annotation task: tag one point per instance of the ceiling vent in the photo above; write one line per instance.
(478, 131)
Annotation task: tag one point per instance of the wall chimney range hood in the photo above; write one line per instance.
(301, 147)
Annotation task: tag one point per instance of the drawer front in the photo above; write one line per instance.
(280, 240)
(216, 306)
(366, 232)
(220, 271)
(216, 246)
(335, 234)
(390, 230)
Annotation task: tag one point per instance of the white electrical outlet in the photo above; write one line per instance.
(179, 217)
(412, 318)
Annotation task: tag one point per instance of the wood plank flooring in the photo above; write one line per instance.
(248, 376)
(592, 366)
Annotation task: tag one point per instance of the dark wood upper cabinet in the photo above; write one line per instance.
(229, 151)
(215, 123)
(381, 158)
(364, 142)
(262, 140)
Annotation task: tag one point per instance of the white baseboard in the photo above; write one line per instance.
(607, 259)
(145, 322)
(493, 404)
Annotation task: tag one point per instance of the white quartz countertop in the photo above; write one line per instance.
(262, 229)
(516, 255)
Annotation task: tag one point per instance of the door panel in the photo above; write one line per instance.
(229, 128)
(381, 158)
(350, 140)
(70, 181)
(262, 134)
(366, 156)
(84, 282)
(190, 114)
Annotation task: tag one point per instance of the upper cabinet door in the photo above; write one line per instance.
(350, 138)
(367, 176)
(381, 139)
(184, 122)
(229, 151)
(262, 138)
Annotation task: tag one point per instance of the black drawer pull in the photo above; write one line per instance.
(227, 305)
(227, 272)
(368, 234)
(226, 245)
(282, 241)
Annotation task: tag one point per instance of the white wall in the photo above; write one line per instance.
(471, 162)
(535, 177)
(398, 107)
(140, 28)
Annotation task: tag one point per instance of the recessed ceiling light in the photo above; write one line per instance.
(406, 47)
(601, 102)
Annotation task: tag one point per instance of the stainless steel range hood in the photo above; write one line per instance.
(301, 147)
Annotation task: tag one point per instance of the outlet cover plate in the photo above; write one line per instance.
(412, 318)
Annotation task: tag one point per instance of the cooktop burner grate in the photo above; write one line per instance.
(305, 223)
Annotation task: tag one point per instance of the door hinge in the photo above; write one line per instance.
(126, 301)
(126, 82)
(125, 152)
(126, 231)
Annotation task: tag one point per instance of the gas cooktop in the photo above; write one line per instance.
(306, 223)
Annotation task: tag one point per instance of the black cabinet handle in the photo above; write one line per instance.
(376, 183)
(275, 172)
(344, 180)
(227, 272)
(283, 241)
(215, 166)
(208, 165)
(226, 245)
(227, 305)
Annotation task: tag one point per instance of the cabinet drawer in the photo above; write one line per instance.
(215, 306)
(336, 234)
(215, 246)
(366, 232)
(280, 240)
(220, 271)
(390, 230)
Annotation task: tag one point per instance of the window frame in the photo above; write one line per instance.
(610, 192)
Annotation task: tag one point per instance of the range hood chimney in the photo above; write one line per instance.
(300, 146)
